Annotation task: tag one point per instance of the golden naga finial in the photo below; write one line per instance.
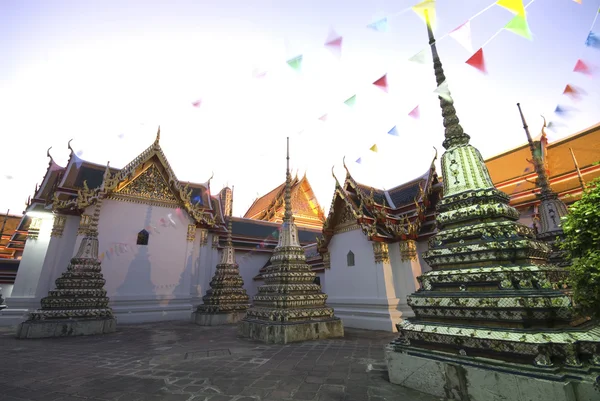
(544, 127)
(346, 167)
(69, 146)
(337, 183)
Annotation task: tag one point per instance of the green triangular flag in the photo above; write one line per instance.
(295, 63)
(519, 26)
(351, 101)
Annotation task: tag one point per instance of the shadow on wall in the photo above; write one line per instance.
(184, 285)
(138, 279)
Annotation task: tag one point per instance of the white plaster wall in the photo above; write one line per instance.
(151, 282)
(404, 278)
(363, 296)
(250, 265)
(6, 290)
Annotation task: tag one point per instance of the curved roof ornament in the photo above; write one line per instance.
(544, 127)
(48, 155)
(337, 183)
(346, 167)
(436, 154)
(157, 140)
(69, 146)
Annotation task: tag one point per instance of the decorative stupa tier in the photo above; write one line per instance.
(78, 305)
(226, 301)
(551, 209)
(290, 307)
(491, 292)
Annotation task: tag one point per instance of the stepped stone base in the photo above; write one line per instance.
(66, 328)
(477, 379)
(280, 333)
(217, 319)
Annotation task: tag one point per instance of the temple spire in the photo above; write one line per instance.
(288, 216)
(229, 243)
(581, 182)
(538, 163)
(454, 134)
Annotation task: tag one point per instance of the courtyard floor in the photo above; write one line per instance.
(175, 361)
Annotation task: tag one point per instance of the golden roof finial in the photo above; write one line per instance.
(337, 183)
(538, 163)
(346, 167)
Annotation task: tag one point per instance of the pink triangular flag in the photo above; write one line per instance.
(581, 67)
(323, 117)
(477, 61)
(462, 35)
(382, 83)
(414, 113)
(334, 43)
(197, 103)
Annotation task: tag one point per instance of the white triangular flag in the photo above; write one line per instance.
(443, 92)
(462, 35)
(420, 57)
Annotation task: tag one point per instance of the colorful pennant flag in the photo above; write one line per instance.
(593, 40)
(373, 148)
(359, 160)
(579, 2)
(429, 6)
(394, 131)
(518, 25)
(477, 61)
(582, 67)
(420, 57)
(415, 113)
(334, 43)
(296, 63)
(380, 25)
(462, 35)
(553, 126)
(323, 117)
(573, 92)
(561, 110)
(350, 101)
(382, 83)
(443, 92)
(197, 103)
(514, 6)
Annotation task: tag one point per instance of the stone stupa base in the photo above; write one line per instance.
(479, 379)
(217, 319)
(66, 327)
(284, 333)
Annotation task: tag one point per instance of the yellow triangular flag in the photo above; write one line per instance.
(514, 6)
(373, 148)
(428, 5)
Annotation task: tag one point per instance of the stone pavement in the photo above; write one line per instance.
(175, 361)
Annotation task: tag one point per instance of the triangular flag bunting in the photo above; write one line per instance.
(569, 89)
(519, 26)
(351, 101)
(295, 63)
(380, 25)
(428, 5)
(394, 131)
(323, 117)
(197, 103)
(514, 6)
(359, 160)
(593, 40)
(477, 61)
(581, 67)
(573, 92)
(373, 148)
(334, 43)
(415, 113)
(382, 83)
(443, 92)
(419, 58)
(561, 109)
(462, 35)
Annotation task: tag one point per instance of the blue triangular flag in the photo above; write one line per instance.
(380, 25)
(560, 110)
(393, 131)
(359, 160)
(593, 40)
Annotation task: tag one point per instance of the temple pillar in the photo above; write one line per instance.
(409, 255)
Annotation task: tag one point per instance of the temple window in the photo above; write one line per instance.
(142, 237)
(350, 258)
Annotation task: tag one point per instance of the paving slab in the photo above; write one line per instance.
(173, 361)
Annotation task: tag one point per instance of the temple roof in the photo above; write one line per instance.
(403, 212)
(512, 173)
(306, 208)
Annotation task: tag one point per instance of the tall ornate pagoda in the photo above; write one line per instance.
(490, 316)
(78, 305)
(551, 209)
(289, 307)
(226, 301)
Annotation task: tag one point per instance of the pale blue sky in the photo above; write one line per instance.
(97, 70)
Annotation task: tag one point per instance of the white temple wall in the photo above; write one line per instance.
(145, 282)
(404, 279)
(250, 265)
(23, 297)
(209, 258)
(362, 295)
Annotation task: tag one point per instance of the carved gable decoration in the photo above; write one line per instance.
(149, 186)
(346, 221)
